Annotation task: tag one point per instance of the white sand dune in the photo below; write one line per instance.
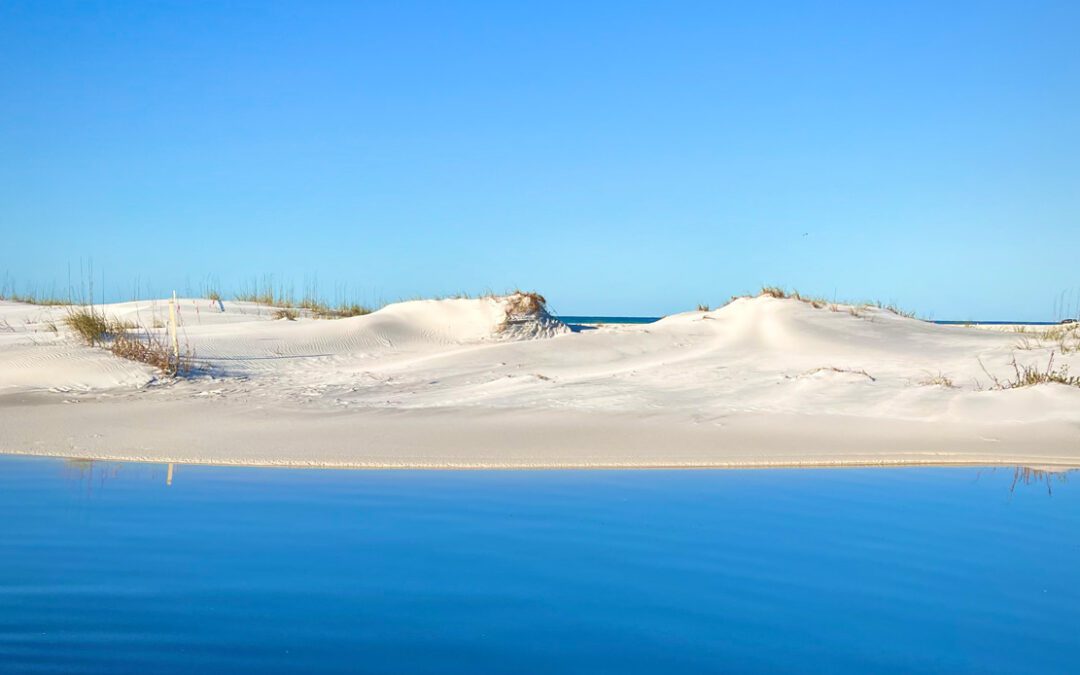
(450, 383)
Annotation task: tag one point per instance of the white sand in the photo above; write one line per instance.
(437, 384)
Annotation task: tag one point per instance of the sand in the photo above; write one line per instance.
(450, 384)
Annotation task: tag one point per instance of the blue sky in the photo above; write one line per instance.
(621, 158)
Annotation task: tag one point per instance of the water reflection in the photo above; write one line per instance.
(265, 569)
(1030, 475)
(94, 474)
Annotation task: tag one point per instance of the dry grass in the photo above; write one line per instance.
(266, 292)
(32, 296)
(281, 297)
(147, 348)
(348, 309)
(127, 340)
(834, 369)
(783, 294)
(47, 301)
(522, 303)
(703, 308)
(855, 309)
(322, 310)
(90, 325)
(1064, 339)
(1030, 375)
(939, 380)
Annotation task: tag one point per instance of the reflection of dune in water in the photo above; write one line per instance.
(1030, 475)
(91, 475)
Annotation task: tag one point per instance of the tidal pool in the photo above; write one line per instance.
(126, 567)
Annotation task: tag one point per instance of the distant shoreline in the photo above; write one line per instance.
(599, 319)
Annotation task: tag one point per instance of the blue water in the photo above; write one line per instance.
(609, 319)
(653, 319)
(105, 567)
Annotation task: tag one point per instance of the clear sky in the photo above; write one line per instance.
(621, 158)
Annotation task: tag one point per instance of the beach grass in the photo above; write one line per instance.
(33, 297)
(817, 302)
(127, 340)
(1031, 375)
(90, 325)
(939, 380)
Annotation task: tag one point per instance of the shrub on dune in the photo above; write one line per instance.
(127, 340)
(91, 326)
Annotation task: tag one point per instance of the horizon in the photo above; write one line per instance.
(286, 294)
(620, 159)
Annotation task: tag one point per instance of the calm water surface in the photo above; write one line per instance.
(106, 567)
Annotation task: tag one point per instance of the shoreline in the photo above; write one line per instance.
(228, 433)
(884, 464)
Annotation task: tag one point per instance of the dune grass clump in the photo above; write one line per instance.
(266, 293)
(31, 296)
(890, 307)
(281, 297)
(321, 310)
(783, 294)
(703, 307)
(126, 340)
(522, 303)
(341, 311)
(1031, 375)
(91, 326)
(149, 349)
(854, 309)
(939, 380)
(1065, 339)
(44, 300)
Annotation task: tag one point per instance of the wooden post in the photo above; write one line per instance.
(172, 330)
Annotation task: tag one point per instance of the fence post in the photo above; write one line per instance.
(172, 330)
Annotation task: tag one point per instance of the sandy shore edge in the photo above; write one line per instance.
(205, 432)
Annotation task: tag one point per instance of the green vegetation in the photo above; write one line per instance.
(90, 325)
(282, 297)
(321, 310)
